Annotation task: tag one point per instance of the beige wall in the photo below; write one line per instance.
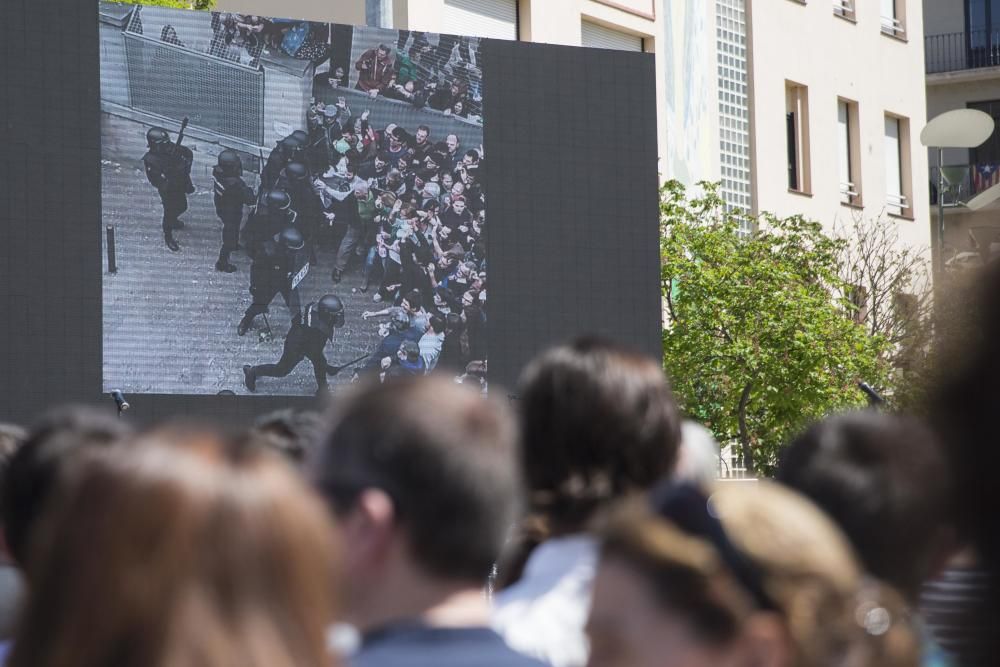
(334, 11)
(807, 44)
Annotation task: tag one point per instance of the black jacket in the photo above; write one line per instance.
(231, 194)
(170, 171)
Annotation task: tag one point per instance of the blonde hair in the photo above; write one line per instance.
(834, 615)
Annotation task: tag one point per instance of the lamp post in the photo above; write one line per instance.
(959, 128)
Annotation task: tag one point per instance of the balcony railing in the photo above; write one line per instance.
(955, 51)
(962, 182)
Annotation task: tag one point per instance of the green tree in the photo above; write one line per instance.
(759, 338)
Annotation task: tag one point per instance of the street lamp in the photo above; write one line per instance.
(959, 128)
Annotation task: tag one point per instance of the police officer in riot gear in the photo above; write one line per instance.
(285, 151)
(306, 340)
(231, 195)
(272, 273)
(274, 213)
(168, 168)
(305, 202)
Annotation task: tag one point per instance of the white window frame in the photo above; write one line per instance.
(844, 9)
(891, 23)
(895, 201)
(493, 19)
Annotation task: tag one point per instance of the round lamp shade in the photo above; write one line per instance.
(960, 128)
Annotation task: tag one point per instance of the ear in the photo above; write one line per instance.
(369, 530)
(765, 642)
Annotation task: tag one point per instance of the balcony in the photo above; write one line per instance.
(956, 51)
(962, 182)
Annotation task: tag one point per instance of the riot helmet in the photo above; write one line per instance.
(229, 161)
(332, 309)
(291, 239)
(297, 171)
(278, 200)
(157, 137)
(300, 136)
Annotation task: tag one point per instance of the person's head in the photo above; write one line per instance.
(457, 189)
(454, 324)
(470, 298)
(381, 162)
(443, 296)
(436, 324)
(598, 421)
(447, 180)
(425, 498)
(471, 157)
(200, 553)
(291, 433)
(753, 575)
(452, 142)
(458, 108)
(884, 481)
(423, 134)
(37, 469)
(411, 302)
(458, 203)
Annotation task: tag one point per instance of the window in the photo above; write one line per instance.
(600, 37)
(894, 17)
(982, 32)
(797, 136)
(844, 9)
(898, 195)
(496, 19)
(849, 152)
(989, 152)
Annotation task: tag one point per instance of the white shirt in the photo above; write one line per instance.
(430, 349)
(544, 613)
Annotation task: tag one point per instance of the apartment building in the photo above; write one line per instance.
(837, 104)
(962, 47)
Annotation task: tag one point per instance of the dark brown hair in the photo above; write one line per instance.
(598, 421)
(884, 481)
(445, 456)
(179, 550)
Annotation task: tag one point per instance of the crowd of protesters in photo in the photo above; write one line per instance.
(421, 523)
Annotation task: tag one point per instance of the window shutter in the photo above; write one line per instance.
(496, 19)
(599, 37)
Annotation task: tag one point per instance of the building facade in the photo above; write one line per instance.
(962, 46)
(837, 105)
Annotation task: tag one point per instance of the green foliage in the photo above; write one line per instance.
(759, 340)
(180, 4)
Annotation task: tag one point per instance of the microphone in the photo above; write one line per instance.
(120, 400)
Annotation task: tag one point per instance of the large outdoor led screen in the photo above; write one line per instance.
(287, 204)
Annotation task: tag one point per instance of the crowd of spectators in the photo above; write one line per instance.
(420, 523)
(442, 76)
